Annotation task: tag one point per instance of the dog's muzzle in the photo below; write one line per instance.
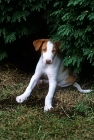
(48, 61)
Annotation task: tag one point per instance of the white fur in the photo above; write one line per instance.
(48, 55)
(55, 74)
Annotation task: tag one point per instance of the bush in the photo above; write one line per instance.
(19, 18)
(72, 22)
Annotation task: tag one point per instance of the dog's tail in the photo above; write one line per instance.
(80, 89)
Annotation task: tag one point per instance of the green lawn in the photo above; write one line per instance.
(72, 117)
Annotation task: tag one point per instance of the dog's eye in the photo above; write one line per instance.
(44, 50)
(53, 51)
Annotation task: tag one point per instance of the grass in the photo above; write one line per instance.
(72, 117)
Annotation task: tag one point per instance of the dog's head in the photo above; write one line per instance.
(48, 49)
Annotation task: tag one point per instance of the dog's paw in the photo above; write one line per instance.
(21, 98)
(47, 108)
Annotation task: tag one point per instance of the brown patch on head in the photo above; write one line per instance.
(57, 45)
(38, 43)
(54, 50)
(44, 47)
(71, 78)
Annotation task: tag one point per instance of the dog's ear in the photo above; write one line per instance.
(58, 43)
(38, 43)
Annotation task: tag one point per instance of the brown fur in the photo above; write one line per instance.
(71, 78)
(44, 47)
(37, 43)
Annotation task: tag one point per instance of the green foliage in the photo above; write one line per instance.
(85, 106)
(19, 18)
(2, 54)
(72, 22)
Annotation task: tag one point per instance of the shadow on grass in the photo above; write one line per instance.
(11, 103)
(35, 102)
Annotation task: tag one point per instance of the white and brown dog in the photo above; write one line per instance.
(50, 65)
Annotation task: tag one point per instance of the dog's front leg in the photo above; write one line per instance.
(29, 89)
(49, 97)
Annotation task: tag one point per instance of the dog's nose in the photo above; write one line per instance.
(48, 61)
